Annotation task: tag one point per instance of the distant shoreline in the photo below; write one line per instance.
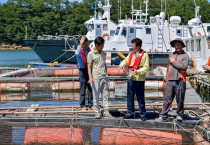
(14, 47)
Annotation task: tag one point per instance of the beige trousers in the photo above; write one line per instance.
(100, 86)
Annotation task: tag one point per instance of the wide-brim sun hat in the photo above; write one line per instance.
(177, 40)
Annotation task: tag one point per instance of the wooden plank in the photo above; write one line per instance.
(115, 105)
(91, 111)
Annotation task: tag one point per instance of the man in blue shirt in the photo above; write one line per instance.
(81, 54)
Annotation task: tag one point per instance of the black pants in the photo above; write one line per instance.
(173, 88)
(83, 78)
(135, 87)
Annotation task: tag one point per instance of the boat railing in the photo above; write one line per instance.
(91, 37)
(60, 37)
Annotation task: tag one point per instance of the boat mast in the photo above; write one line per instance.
(132, 9)
(95, 10)
(26, 36)
(198, 16)
(146, 9)
(120, 9)
(165, 6)
(106, 9)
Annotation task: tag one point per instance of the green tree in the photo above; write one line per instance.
(67, 18)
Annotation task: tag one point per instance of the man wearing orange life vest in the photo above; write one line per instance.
(207, 66)
(81, 54)
(175, 81)
(138, 64)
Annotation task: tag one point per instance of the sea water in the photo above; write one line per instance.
(17, 58)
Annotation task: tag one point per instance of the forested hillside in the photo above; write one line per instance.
(47, 17)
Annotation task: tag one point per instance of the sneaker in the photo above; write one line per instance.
(129, 117)
(179, 118)
(90, 108)
(108, 115)
(97, 116)
(84, 109)
(160, 119)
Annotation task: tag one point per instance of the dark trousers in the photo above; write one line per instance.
(83, 78)
(135, 87)
(173, 88)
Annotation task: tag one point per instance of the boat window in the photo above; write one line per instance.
(105, 27)
(192, 45)
(112, 32)
(179, 32)
(148, 30)
(117, 31)
(198, 45)
(131, 30)
(124, 32)
(90, 27)
(98, 26)
(208, 28)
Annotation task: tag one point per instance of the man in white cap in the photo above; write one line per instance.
(175, 81)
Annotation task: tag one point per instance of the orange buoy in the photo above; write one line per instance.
(53, 135)
(134, 136)
(194, 64)
(105, 34)
(11, 86)
(58, 86)
(75, 72)
(71, 72)
(199, 33)
(115, 71)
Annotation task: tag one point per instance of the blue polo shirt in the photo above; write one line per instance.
(79, 57)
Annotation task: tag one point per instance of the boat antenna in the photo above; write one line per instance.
(26, 33)
(95, 9)
(169, 33)
(198, 16)
(120, 9)
(146, 9)
(161, 5)
(165, 6)
(132, 9)
(140, 4)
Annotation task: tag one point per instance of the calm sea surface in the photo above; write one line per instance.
(17, 58)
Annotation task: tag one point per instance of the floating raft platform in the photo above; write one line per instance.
(43, 124)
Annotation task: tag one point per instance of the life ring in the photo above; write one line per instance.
(199, 33)
(105, 34)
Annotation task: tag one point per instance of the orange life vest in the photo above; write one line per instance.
(183, 73)
(137, 60)
(84, 57)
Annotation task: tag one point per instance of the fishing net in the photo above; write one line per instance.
(77, 132)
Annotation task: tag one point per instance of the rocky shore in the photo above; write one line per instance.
(13, 47)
